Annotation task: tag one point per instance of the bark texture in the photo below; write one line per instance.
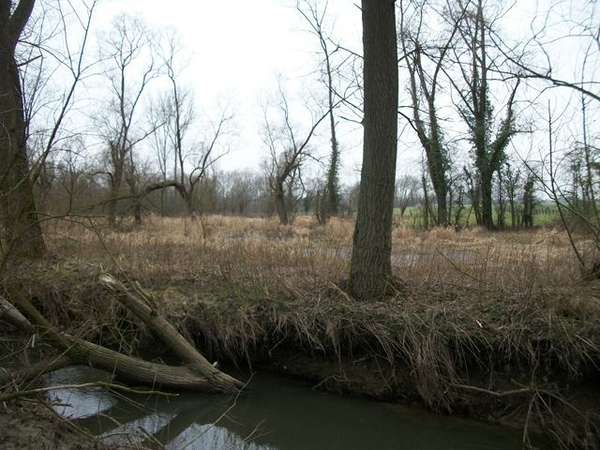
(22, 233)
(371, 270)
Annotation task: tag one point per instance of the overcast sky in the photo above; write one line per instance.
(237, 50)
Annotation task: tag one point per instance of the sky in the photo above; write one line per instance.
(238, 49)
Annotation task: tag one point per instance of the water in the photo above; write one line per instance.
(276, 414)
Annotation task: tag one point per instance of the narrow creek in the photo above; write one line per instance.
(275, 414)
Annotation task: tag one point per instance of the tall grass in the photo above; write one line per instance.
(244, 250)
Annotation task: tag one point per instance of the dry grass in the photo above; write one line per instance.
(507, 292)
(477, 306)
(168, 247)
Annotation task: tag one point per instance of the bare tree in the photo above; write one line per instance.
(457, 193)
(201, 158)
(24, 236)
(176, 113)
(407, 192)
(512, 186)
(528, 201)
(192, 159)
(287, 154)
(55, 62)
(132, 69)
(316, 18)
(48, 58)
(240, 191)
(73, 187)
(22, 231)
(567, 46)
(424, 62)
(371, 265)
(22, 83)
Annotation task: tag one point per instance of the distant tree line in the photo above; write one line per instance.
(117, 132)
(64, 190)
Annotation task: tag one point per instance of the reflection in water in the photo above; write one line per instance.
(136, 431)
(212, 436)
(279, 414)
(78, 403)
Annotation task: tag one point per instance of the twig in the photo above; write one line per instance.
(458, 269)
(494, 393)
(104, 384)
(525, 440)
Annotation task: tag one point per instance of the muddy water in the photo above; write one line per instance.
(276, 413)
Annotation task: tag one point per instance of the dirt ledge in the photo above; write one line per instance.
(29, 425)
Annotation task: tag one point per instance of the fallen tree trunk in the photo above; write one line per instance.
(12, 315)
(197, 374)
(137, 371)
(145, 307)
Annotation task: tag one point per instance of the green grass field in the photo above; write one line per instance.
(544, 215)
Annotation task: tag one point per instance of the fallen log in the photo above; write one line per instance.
(145, 307)
(136, 371)
(196, 374)
(12, 315)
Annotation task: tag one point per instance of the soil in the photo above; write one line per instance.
(30, 425)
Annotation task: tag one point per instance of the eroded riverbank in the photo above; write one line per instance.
(496, 360)
(496, 326)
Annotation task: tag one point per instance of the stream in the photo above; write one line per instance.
(276, 413)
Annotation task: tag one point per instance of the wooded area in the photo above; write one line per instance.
(442, 77)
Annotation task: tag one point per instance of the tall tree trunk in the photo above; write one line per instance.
(426, 202)
(22, 231)
(487, 219)
(429, 134)
(528, 203)
(370, 265)
(280, 206)
(137, 211)
(330, 200)
(333, 190)
(440, 187)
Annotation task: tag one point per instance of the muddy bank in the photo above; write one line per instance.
(418, 357)
(32, 426)
(451, 349)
